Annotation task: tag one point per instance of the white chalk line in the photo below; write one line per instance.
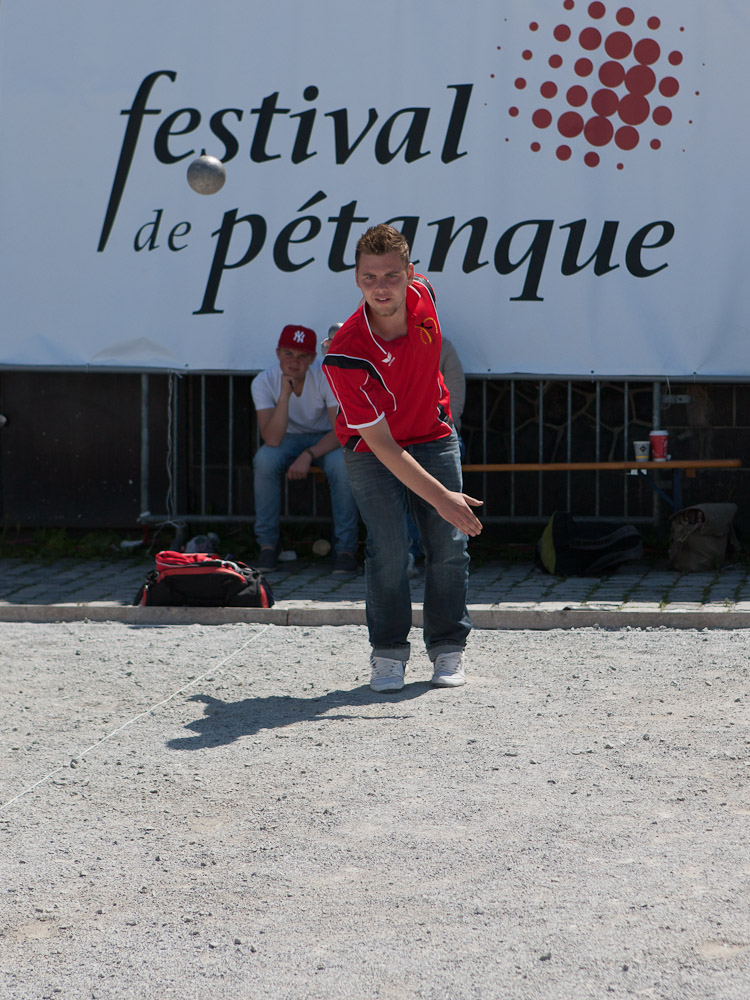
(147, 711)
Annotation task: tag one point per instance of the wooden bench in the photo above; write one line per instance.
(677, 466)
(687, 465)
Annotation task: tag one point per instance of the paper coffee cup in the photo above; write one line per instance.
(659, 445)
(641, 449)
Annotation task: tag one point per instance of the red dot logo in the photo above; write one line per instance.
(605, 102)
(590, 39)
(618, 45)
(610, 81)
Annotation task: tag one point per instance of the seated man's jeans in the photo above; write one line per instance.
(269, 467)
(383, 501)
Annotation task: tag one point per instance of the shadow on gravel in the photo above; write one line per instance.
(227, 721)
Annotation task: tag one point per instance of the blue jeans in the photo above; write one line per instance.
(269, 467)
(414, 546)
(383, 502)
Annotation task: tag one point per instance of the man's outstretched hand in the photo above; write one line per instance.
(456, 509)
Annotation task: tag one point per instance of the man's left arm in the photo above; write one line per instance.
(300, 467)
(452, 506)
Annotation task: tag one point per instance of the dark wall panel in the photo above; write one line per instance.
(70, 452)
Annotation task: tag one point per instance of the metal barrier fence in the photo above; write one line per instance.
(549, 420)
(210, 434)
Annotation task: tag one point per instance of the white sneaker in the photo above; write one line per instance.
(449, 670)
(387, 674)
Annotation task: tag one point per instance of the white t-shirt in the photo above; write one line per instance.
(307, 413)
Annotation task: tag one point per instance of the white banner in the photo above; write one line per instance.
(571, 176)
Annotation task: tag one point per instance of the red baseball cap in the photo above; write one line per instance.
(300, 337)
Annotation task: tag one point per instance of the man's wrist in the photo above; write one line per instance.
(311, 453)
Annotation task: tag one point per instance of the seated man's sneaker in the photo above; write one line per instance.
(267, 560)
(345, 562)
(387, 674)
(449, 670)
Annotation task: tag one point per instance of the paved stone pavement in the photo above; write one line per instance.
(501, 595)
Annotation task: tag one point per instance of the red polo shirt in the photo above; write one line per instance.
(398, 380)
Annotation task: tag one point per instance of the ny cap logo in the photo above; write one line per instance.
(299, 337)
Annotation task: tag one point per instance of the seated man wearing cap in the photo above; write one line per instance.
(296, 414)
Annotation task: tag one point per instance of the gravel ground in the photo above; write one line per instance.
(230, 812)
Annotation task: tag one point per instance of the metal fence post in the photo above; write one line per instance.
(145, 447)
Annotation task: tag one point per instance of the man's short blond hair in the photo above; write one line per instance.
(382, 239)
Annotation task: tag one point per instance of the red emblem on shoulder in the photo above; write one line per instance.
(427, 330)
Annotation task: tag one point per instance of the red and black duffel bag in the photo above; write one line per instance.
(199, 580)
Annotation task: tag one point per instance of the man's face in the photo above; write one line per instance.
(383, 280)
(293, 361)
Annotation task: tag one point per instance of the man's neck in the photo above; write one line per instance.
(388, 327)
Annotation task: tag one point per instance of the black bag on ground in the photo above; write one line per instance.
(568, 548)
(200, 580)
(702, 537)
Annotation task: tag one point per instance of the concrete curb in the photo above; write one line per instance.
(483, 617)
(584, 618)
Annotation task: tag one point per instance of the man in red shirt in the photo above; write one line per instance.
(401, 452)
